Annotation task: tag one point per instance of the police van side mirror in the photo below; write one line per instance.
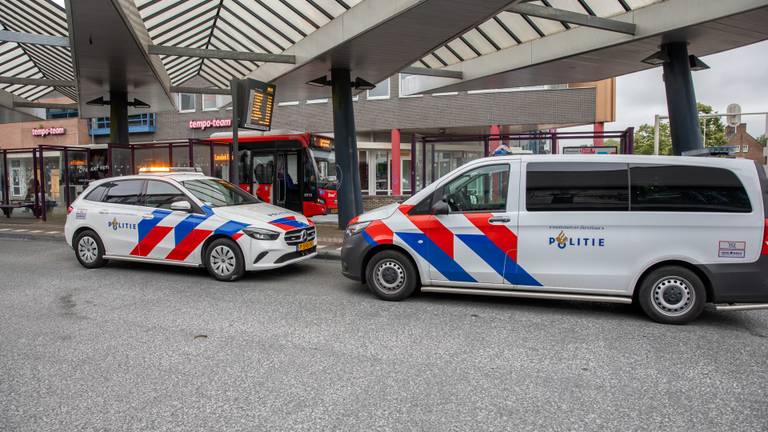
(441, 207)
(182, 205)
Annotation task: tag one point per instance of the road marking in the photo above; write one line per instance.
(5, 229)
(322, 246)
(20, 230)
(53, 232)
(35, 231)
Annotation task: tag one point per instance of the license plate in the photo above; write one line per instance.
(306, 245)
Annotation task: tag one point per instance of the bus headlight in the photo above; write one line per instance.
(261, 233)
(356, 228)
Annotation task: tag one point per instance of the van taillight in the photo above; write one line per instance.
(69, 210)
(764, 251)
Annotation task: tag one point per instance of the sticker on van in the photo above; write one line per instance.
(732, 249)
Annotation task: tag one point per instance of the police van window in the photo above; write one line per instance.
(97, 194)
(124, 192)
(481, 189)
(687, 189)
(161, 194)
(567, 186)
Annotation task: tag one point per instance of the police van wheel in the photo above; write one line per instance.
(391, 276)
(224, 260)
(672, 295)
(89, 249)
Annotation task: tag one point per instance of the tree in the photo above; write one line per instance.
(644, 139)
(612, 142)
(763, 140)
(715, 134)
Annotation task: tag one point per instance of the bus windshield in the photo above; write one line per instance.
(218, 193)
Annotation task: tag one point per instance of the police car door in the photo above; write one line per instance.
(571, 230)
(119, 215)
(473, 244)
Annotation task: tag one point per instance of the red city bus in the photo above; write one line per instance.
(289, 170)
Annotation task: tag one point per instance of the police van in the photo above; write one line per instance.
(669, 233)
(182, 217)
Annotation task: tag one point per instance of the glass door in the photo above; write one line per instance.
(288, 193)
(381, 164)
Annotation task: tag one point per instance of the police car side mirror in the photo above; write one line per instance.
(441, 207)
(182, 205)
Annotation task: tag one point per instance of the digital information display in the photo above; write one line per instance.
(261, 100)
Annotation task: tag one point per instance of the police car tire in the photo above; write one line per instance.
(398, 265)
(239, 269)
(685, 284)
(99, 261)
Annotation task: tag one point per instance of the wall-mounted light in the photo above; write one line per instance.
(362, 84)
(696, 63)
(320, 82)
(657, 59)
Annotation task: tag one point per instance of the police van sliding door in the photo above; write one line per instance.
(573, 227)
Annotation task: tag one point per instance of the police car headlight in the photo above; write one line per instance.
(261, 233)
(356, 228)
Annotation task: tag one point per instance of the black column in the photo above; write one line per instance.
(345, 143)
(118, 117)
(234, 161)
(681, 99)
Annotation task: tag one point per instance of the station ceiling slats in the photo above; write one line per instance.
(508, 29)
(23, 60)
(257, 26)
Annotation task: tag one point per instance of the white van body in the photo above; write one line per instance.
(578, 227)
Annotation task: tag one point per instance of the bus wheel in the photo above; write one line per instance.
(391, 275)
(672, 295)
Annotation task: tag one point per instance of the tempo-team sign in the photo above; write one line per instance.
(209, 123)
(43, 132)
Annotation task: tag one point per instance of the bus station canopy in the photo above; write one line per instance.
(150, 48)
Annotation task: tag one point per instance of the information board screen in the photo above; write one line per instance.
(261, 100)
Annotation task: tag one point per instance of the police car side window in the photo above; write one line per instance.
(127, 192)
(97, 193)
(687, 189)
(571, 186)
(161, 194)
(481, 189)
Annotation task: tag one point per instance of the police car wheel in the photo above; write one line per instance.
(89, 249)
(391, 275)
(224, 260)
(672, 295)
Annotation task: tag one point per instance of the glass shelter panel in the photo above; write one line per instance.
(151, 156)
(77, 172)
(121, 162)
(201, 155)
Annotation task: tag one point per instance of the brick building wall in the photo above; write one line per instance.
(738, 136)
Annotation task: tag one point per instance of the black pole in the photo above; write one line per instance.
(118, 117)
(681, 99)
(345, 147)
(234, 155)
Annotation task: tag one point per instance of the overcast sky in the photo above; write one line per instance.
(737, 76)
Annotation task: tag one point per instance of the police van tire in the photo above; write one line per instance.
(89, 249)
(224, 260)
(672, 295)
(391, 276)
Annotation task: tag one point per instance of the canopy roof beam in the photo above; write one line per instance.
(201, 90)
(573, 18)
(221, 54)
(33, 39)
(433, 72)
(36, 82)
(22, 104)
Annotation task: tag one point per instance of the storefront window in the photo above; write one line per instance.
(405, 172)
(99, 168)
(151, 156)
(121, 162)
(78, 172)
(381, 161)
(201, 155)
(54, 182)
(22, 181)
(221, 161)
(363, 167)
(181, 156)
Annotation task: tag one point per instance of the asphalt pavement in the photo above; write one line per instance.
(132, 347)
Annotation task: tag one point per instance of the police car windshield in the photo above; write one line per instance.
(218, 193)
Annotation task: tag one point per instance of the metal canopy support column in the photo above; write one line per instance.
(681, 99)
(234, 154)
(6, 178)
(345, 143)
(118, 117)
(395, 134)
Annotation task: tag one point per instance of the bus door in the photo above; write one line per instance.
(288, 181)
(263, 176)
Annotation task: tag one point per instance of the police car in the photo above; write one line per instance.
(669, 233)
(185, 218)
